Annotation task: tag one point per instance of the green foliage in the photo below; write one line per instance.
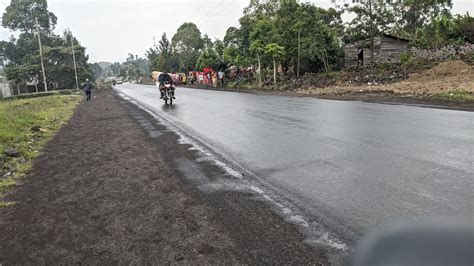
(413, 15)
(135, 67)
(281, 22)
(212, 56)
(4, 204)
(371, 19)
(457, 95)
(22, 54)
(409, 62)
(186, 44)
(42, 94)
(469, 58)
(444, 30)
(161, 58)
(17, 116)
(20, 16)
(404, 18)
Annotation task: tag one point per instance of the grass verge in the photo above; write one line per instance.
(26, 125)
(457, 95)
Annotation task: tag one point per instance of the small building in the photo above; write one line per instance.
(387, 49)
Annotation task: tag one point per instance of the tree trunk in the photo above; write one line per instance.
(259, 71)
(274, 73)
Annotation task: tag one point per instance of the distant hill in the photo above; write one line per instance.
(103, 65)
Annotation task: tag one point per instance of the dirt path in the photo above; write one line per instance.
(111, 188)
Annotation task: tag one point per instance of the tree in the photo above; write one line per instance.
(415, 14)
(22, 54)
(187, 43)
(261, 34)
(372, 18)
(162, 58)
(276, 51)
(232, 37)
(20, 16)
(97, 70)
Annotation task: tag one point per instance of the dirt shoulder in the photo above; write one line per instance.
(113, 186)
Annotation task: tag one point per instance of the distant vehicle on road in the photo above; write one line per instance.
(119, 81)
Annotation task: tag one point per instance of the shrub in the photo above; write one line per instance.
(468, 58)
(409, 62)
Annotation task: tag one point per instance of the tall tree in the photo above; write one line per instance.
(414, 14)
(186, 43)
(372, 18)
(161, 58)
(20, 15)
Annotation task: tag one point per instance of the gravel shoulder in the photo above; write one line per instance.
(114, 186)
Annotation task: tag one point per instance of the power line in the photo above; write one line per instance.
(209, 12)
(195, 12)
(215, 15)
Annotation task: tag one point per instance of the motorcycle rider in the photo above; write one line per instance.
(162, 79)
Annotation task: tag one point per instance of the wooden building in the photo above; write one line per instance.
(387, 48)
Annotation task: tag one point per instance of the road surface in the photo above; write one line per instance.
(351, 165)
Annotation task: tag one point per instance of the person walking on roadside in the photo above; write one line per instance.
(220, 76)
(214, 78)
(87, 89)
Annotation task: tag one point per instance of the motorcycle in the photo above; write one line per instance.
(168, 92)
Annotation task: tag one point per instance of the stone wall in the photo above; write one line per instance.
(444, 53)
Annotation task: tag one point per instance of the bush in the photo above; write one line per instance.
(468, 58)
(409, 62)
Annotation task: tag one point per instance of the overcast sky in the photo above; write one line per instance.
(110, 29)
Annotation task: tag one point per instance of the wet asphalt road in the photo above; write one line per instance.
(350, 165)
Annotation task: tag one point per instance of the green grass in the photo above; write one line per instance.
(457, 95)
(6, 204)
(17, 116)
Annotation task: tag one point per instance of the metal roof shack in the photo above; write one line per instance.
(387, 48)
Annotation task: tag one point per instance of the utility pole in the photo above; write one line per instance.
(41, 55)
(299, 54)
(372, 43)
(74, 59)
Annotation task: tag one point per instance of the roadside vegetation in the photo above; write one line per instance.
(457, 95)
(20, 54)
(311, 39)
(294, 45)
(26, 125)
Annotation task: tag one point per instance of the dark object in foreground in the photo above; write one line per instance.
(9, 152)
(427, 243)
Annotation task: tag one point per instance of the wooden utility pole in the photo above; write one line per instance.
(41, 55)
(299, 53)
(74, 59)
(372, 42)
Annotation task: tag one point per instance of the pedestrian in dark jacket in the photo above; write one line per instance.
(87, 89)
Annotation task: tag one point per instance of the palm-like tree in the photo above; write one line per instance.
(276, 51)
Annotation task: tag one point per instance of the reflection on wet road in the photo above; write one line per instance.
(353, 165)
